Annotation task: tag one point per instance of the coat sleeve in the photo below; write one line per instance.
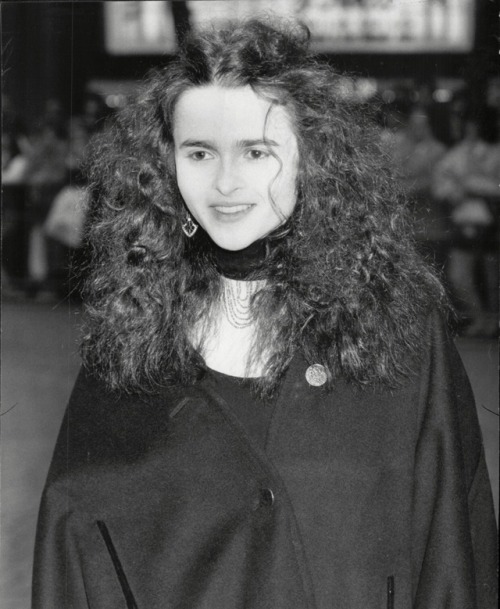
(57, 578)
(454, 528)
(63, 532)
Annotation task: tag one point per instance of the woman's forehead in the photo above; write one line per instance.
(229, 112)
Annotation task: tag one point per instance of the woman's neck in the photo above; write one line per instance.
(226, 336)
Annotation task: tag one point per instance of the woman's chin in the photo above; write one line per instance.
(232, 243)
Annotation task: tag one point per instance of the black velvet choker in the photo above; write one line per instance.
(245, 264)
(241, 264)
(252, 262)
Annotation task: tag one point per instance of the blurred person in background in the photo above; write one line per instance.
(271, 411)
(467, 179)
(45, 176)
(415, 152)
(59, 197)
(66, 218)
(15, 152)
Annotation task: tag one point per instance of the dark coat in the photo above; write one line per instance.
(363, 499)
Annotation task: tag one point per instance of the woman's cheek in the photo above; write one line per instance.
(186, 182)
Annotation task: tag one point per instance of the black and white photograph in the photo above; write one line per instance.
(249, 304)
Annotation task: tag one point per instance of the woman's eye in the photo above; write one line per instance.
(199, 155)
(256, 155)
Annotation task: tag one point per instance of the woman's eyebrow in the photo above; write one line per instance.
(259, 142)
(197, 144)
(240, 143)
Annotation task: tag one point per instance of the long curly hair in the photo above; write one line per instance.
(345, 284)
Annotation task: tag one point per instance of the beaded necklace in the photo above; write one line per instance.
(237, 298)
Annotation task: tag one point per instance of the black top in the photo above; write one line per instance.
(253, 413)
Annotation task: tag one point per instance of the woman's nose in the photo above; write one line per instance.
(228, 178)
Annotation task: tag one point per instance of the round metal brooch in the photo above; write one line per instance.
(316, 375)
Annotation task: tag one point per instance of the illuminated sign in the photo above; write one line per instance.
(337, 26)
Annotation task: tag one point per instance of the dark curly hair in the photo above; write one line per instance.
(346, 287)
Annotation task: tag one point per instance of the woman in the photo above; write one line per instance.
(270, 412)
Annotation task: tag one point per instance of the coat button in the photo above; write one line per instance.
(316, 375)
(266, 497)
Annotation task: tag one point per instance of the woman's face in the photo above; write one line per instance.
(236, 161)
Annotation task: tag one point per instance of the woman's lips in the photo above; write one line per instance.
(232, 209)
(232, 213)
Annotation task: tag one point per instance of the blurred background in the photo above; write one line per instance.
(429, 68)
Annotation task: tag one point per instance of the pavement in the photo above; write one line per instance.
(39, 365)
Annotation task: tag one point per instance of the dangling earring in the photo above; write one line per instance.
(189, 227)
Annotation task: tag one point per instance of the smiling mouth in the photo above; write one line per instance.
(232, 209)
